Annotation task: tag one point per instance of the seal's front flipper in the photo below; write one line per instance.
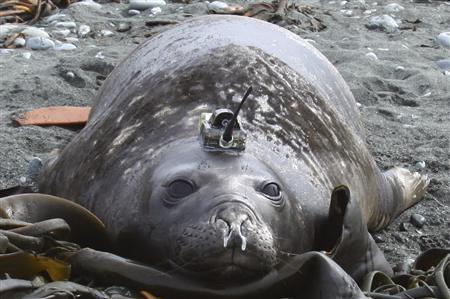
(348, 241)
(404, 189)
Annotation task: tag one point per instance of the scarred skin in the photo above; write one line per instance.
(303, 131)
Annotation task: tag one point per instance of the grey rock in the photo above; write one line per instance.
(133, 12)
(123, 27)
(83, 30)
(393, 7)
(67, 25)
(145, 4)
(35, 32)
(383, 22)
(40, 43)
(19, 42)
(417, 220)
(88, 3)
(34, 167)
(61, 33)
(420, 164)
(444, 39)
(444, 64)
(65, 47)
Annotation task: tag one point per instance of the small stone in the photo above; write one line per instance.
(61, 33)
(88, 3)
(34, 167)
(65, 47)
(399, 68)
(100, 55)
(145, 4)
(70, 75)
(35, 32)
(55, 17)
(417, 220)
(39, 43)
(26, 55)
(420, 164)
(72, 40)
(384, 22)
(444, 64)
(19, 42)
(23, 180)
(67, 25)
(106, 33)
(347, 12)
(156, 10)
(444, 39)
(83, 30)
(133, 12)
(372, 56)
(217, 6)
(123, 27)
(393, 7)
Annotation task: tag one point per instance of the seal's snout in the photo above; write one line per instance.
(232, 220)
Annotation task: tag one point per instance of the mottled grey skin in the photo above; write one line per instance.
(303, 133)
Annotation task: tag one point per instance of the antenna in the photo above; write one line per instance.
(228, 134)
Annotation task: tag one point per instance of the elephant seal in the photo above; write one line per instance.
(227, 217)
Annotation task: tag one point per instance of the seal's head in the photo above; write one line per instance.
(219, 216)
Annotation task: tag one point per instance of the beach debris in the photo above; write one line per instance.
(39, 43)
(444, 39)
(145, 4)
(383, 22)
(393, 8)
(417, 220)
(29, 11)
(54, 116)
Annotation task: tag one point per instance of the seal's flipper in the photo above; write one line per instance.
(405, 188)
(353, 249)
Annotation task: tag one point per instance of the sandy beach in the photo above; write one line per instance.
(398, 72)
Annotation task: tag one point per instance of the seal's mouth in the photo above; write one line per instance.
(230, 266)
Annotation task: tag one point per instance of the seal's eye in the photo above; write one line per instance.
(272, 190)
(180, 188)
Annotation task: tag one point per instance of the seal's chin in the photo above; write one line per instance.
(229, 268)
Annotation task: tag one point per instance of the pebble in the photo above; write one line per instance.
(67, 25)
(217, 6)
(372, 56)
(65, 47)
(88, 3)
(61, 33)
(347, 12)
(34, 167)
(417, 220)
(26, 55)
(100, 55)
(7, 29)
(145, 4)
(444, 39)
(133, 12)
(39, 43)
(393, 7)
(156, 10)
(399, 68)
(19, 42)
(106, 33)
(55, 18)
(444, 64)
(384, 22)
(123, 27)
(70, 75)
(83, 30)
(35, 32)
(72, 40)
(420, 164)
